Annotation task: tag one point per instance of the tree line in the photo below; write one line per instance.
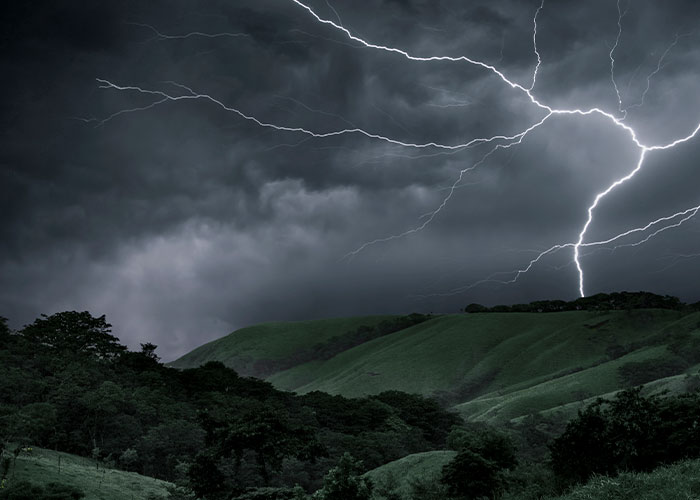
(617, 301)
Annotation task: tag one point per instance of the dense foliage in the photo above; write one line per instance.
(628, 433)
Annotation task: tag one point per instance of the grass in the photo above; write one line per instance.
(676, 482)
(400, 473)
(41, 466)
(560, 391)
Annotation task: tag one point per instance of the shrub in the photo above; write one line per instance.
(343, 482)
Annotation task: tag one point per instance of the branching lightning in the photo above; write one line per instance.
(497, 142)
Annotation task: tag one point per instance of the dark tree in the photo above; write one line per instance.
(475, 308)
(423, 413)
(73, 332)
(205, 478)
(484, 454)
(610, 437)
(149, 350)
(4, 333)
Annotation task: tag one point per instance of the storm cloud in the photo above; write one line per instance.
(183, 221)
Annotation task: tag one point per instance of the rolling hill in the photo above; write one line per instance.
(488, 366)
(43, 466)
(680, 481)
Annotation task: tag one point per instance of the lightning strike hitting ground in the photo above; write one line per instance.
(500, 141)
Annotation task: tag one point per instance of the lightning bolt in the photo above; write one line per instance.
(194, 34)
(664, 223)
(620, 15)
(502, 141)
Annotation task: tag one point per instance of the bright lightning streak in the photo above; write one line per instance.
(618, 122)
(405, 54)
(318, 135)
(507, 141)
(599, 197)
(684, 214)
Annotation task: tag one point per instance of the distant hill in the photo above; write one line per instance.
(253, 350)
(491, 366)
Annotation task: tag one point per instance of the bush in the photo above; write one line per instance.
(471, 476)
(629, 433)
(478, 469)
(343, 482)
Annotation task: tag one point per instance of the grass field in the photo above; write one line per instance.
(490, 366)
(400, 473)
(676, 482)
(41, 466)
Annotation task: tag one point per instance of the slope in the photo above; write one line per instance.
(489, 366)
(251, 350)
(43, 466)
(399, 474)
(509, 363)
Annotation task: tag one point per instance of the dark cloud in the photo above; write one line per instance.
(184, 221)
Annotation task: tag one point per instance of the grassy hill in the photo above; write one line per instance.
(489, 366)
(250, 349)
(676, 482)
(399, 474)
(41, 466)
(680, 481)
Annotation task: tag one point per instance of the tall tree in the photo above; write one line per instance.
(76, 332)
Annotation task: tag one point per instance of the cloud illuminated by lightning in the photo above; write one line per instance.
(500, 141)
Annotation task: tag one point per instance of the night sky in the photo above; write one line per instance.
(184, 221)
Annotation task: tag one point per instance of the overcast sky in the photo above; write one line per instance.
(184, 221)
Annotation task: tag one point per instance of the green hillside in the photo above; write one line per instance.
(680, 481)
(250, 349)
(41, 466)
(399, 474)
(489, 366)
